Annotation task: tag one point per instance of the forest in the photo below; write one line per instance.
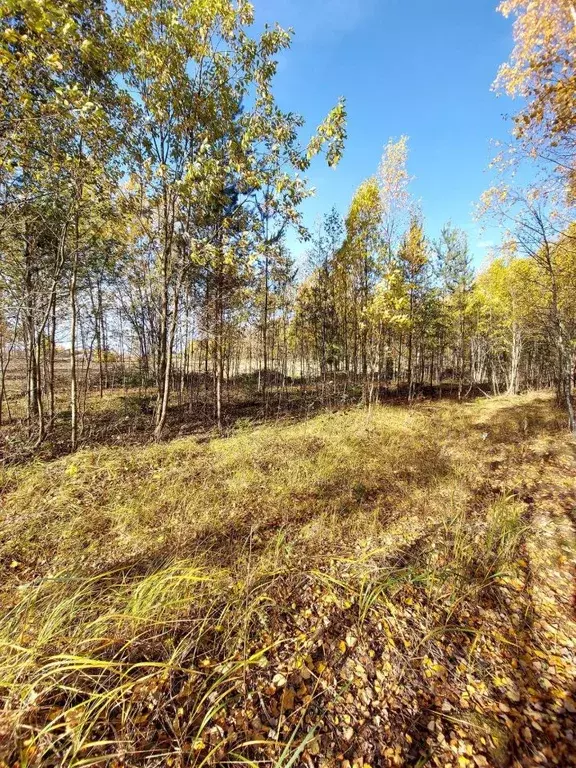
(277, 489)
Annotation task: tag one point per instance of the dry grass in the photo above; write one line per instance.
(196, 603)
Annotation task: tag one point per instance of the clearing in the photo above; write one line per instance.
(383, 588)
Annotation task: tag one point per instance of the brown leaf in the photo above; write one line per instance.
(288, 698)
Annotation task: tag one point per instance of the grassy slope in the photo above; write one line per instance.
(389, 588)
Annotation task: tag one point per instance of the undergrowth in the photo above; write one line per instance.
(321, 593)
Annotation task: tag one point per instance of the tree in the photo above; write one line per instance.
(509, 292)
(543, 232)
(456, 281)
(58, 116)
(413, 259)
(396, 203)
(542, 71)
(208, 139)
(364, 248)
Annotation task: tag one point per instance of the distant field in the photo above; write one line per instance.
(387, 588)
(16, 372)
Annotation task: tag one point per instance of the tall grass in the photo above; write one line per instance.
(154, 595)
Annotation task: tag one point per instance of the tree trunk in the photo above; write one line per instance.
(73, 375)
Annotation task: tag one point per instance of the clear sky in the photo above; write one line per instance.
(412, 67)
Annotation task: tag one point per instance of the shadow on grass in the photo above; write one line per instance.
(290, 606)
(516, 423)
(126, 417)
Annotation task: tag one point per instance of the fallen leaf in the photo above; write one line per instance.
(288, 698)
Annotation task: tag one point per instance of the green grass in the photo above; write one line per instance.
(153, 594)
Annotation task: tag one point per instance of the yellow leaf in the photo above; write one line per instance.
(198, 745)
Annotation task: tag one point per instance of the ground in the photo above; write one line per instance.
(392, 587)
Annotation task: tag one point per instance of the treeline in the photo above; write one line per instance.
(389, 307)
(148, 181)
(143, 158)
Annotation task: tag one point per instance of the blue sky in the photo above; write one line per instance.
(411, 67)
